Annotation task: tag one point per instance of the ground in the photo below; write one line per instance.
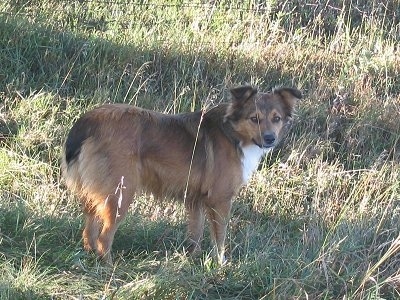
(319, 220)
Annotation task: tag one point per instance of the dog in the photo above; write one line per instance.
(202, 158)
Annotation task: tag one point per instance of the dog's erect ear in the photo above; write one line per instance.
(242, 93)
(239, 96)
(290, 97)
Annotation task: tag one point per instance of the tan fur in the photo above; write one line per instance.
(117, 150)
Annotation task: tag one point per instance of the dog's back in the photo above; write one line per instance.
(152, 151)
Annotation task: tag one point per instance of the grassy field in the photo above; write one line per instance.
(321, 218)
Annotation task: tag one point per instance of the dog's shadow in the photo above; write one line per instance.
(141, 235)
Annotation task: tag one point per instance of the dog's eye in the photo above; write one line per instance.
(276, 119)
(254, 119)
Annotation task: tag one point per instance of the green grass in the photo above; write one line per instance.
(320, 220)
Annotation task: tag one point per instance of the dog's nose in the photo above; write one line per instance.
(269, 139)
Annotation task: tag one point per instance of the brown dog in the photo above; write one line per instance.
(117, 150)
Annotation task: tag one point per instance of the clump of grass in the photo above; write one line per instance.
(319, 220)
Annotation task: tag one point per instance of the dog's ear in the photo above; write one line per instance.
(242, 93)
(289, 96)
(239, 96)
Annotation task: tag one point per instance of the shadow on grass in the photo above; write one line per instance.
(48, 250)
(53, 241)
(62, 63)
(261, 247)
(9, 292)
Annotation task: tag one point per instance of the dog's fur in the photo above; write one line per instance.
(117, 150)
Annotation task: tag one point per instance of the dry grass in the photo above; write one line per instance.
(321, 219)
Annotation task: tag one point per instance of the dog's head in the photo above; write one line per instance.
(259, 118)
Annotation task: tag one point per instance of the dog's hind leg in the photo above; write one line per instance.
(106, 237)
(111, 214)
(218, 217)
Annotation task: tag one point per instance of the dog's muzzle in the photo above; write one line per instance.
(269, 141)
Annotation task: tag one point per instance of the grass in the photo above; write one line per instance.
(320, 220)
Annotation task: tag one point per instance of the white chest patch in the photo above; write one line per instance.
(251, 158)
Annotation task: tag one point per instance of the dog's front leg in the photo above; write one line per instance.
(218, 215)
(91, 231)
(196, 219)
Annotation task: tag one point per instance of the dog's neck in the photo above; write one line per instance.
(252, 155)
(214, 118)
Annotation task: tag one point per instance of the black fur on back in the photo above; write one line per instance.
(81, 130)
